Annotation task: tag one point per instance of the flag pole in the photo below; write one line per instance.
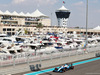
(63, 2)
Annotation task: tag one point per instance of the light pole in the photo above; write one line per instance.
(51, 19)
(28, 56)
(14, 57)
(86, 21)
(35, 51)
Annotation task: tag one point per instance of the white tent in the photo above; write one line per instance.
(21, 14)
(15, 13)
(1, 13)
(37, 13)
(7, 12)
(28, 14)
(96, 28)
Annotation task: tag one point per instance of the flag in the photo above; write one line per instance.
(64, 2)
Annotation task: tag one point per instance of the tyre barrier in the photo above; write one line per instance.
(97, 54)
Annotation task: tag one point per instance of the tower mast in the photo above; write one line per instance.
(62, 15)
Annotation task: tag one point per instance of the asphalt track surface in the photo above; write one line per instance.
(90, 68)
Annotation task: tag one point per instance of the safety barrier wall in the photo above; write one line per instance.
(46, 60)
(29, 57)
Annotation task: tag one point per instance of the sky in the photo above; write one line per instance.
(77, 7)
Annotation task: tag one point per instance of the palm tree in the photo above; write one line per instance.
(39, 26)
(26, 31)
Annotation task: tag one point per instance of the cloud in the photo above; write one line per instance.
(18, 1)
(94, 1)
(39, 2)
(98, 11)
(79, 3)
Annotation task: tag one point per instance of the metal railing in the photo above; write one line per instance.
(28, 57)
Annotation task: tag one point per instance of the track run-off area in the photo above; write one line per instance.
(86, 67)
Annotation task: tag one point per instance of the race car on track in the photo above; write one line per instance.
(64, 68)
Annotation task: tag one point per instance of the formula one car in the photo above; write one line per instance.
(64, 68)
(97, 54)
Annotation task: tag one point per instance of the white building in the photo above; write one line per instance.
(11, 22)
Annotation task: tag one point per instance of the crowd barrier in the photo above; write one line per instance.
(27, 57)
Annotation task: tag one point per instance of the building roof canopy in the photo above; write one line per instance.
(15, 13)
(28, 14)
(7, 12)
(1, 13)
(21, 14)
(63, 9)
(96, 28)
(37, 13)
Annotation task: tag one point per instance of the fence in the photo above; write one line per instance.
(28, 57)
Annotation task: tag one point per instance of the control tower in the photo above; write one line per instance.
(62, 16)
